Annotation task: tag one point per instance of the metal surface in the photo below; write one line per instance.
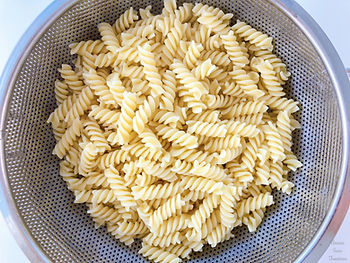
(39, 208)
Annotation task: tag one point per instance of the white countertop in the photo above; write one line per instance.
(17, 15)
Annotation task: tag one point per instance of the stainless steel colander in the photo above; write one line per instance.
(38, 207)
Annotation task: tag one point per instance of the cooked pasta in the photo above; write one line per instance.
(174, 128)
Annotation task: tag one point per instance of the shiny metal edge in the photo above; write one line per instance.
(341, 199)
(8, 207)
(335, 68)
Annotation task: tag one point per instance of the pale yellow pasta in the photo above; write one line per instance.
(61, 91)
(68, 139)
(156, 191)
(125, 20)
(158, 254)
(203, 212)
(125, 121)
(71, 78)
(82, 103)
(206, 128)
(109, 38)
(234, 50)
(216, 21)
(88, 159)
(246, 83)
(174, 128)
(202, 184)
(252, 35)
(213, 172)
(119, 189)
(254, 203)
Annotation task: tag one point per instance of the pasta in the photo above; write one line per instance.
(175, 128)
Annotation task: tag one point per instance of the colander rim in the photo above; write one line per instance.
(306, 24)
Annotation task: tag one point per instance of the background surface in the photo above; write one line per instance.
(17, 15)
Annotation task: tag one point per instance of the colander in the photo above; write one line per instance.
(38, 207)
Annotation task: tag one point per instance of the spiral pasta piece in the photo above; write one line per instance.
(234, 50)
(61, 92)
(253, 220)
(155, 169)
(206, 128)
(82, 103)
(281, 104)
(172, 42)
(116, 87)
(156, 191)
(213, 172)
(262, 174)
(98, 85)
(126, 20)
(191, 84)
(284, 129)
(145, 179)
(88, 159)
(192, 54)
(270, 80)
(151, 72)
(203, 212)
(219, 234)
(57, 116)
(104, 213)
(165, 211)
(204, 69)
(144, 114)
(180, 250)
(277, 64)
(190, 155)
(219, 101)
(205, 116)
(228, 215)
(242, 174)
(169, 85)
(173, 224)
(274, 142)
(167, 118)
(227, 155)
(109, 38)
(139, 150)
(68, 139)
(158, 254)
(246, 83)
(202, 184)
(231, 88)
(250, 34)
(249, 155)
(292, 162)
(126, 118)
(71, 78)
(245, 108)
(217, 144)
(103, 196)
(150, 139)
(216, 21)
(104, 116)
(90, 46)
(131, 228)
(164, 241)
(254, 203)
(117, 184)
(177, 136)
(95, 134)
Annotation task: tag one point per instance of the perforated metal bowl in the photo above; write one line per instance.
(38, 207)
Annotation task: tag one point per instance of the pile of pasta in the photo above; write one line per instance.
(174, 128)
